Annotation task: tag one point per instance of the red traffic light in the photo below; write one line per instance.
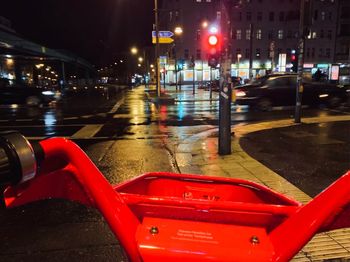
(213, 40)
(293, 58)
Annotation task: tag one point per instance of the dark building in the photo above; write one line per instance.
(266, 31)
(342, 46)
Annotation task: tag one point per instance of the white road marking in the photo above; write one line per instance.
(87, 131)
(116, 106)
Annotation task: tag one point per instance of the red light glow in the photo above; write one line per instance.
(213, 40)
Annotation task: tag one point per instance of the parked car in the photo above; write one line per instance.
(280, 90)
(15, 93)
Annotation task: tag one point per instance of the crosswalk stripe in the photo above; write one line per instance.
(87, 131)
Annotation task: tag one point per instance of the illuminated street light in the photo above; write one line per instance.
(205, 24)
(134, 50)
(140, 59)
(178, 30)
(139, 65)
(213, 30)
(121, 61)
(151, 65)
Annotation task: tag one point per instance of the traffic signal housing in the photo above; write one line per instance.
(294, 61)
(213, 47)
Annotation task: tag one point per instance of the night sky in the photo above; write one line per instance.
(97, 30)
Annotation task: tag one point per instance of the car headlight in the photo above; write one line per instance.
(48, 93)
(240, 93)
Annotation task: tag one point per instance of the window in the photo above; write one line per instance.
(323, 15)
(218, 15)
(270, 35)
(259, 16)
(198, 54)
(247, 53)
(280, 34)
(330, 16)
(198, 35)
(308, 52)
(320, 53)
(186, 54)
(314, 35)
(247, 34)
(328, 52)
(240, 16)
(329, 34)
(238, 52)
(289, 34)
(258, 34)
(280, 82)
(249, 16)
(170, 16)
(281, 17)
(313, 52)
(239, 34)
(321, 33)
(271, 16)
(315, 15)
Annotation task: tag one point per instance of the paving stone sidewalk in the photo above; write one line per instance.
(198, 154)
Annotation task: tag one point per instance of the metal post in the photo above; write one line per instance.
(157, 46)
(63, 71)
(145, 68)
(175, 70)
(164, 78)
(299, 88)
(210, 82)
(225, 119)
(194, 84)
(251, 52)
(180, 80)
(225, 94)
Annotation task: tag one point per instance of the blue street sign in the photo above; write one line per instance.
(163, 34)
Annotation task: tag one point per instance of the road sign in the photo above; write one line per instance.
(162, 60)
(163, 40)
(163, 34)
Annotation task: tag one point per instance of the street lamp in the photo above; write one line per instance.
(140, 59)
(205, 24)
(178, 30)
(134, 50)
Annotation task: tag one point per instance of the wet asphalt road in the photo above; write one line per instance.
(311, 156)
(125, 136)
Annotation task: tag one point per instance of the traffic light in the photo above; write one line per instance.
(180, 64)
(214, 46)
(294, 61)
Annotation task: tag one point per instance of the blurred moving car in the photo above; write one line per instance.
(280, 90)
(15, 93)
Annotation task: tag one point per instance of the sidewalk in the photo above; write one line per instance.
(198, 154)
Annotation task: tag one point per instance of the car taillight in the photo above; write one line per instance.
(240, 93)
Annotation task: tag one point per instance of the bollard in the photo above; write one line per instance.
(225, 118)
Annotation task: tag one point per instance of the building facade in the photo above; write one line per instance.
(265, 32)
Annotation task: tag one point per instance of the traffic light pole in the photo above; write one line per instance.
(157, 46)
(225, 94)
(299, 88)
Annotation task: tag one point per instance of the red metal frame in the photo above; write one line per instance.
(190, 217)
